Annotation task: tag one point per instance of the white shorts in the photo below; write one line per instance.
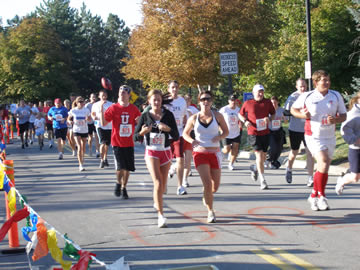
(315, 145)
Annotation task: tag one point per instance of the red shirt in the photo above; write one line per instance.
(46, 110)
(123, 124)
(255, 110)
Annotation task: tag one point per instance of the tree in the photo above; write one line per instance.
(332, 32)
(33, 65)
(182, 39)
(355, 12)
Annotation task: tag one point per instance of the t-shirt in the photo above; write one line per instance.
(46, 111)
(80, 119)
(232, 120)
(276, 123)
(123, 124)
(24, 114)
(89, 107)
(39, 124)
(33, 115)
(96, 109)
(320, 107)
(296, 124)
(178, 107)
(255, 112)
(58, 114)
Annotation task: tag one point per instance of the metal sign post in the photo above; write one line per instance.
(229, 66)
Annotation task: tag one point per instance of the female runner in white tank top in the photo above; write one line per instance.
(206, 152)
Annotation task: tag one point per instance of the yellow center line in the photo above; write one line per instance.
(294, 259)
(273, 260)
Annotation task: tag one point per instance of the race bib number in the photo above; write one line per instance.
(25, 113)
(233, 120)
(178, 122)
(157, 139)
(58, 117)
(275, 124)
(125, 130)
(260, 124)
(80, 122)
(324, 120)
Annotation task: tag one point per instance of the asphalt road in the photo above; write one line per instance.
(255, 229)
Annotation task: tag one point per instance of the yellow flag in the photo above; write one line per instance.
(2, 175)
(11, 196)
(55, 251)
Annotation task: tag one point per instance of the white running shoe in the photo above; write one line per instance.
(181, 191)
(313, 203)
(61, 155)
(81, 168)
(211, 217)
(339, 188)
(185, 183)
(74, 153)
(323, 204)
(310, 181)
(230, 167)
(263, 185)
(254, 172)
(162, 221)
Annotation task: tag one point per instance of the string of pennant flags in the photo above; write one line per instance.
(44, 240)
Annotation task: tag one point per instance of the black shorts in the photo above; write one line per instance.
(31, 126)
(237, 139)
(82, 135)
(60, 133)
(124, 158)
(91, 129)
(295, 139)
(23, 127)
(354, 160)
(259, 143)
(104, 136)
(49, 127)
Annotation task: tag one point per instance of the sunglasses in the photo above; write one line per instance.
(126, 89)
(81, 101)
(205, 99)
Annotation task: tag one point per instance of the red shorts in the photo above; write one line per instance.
(187, 146)
(164, 156)
(177, 148)
(213, 159)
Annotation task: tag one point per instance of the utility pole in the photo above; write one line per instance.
(309, 48)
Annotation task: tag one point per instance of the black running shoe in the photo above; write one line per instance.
(117, 190)
(106, 163)
(26, 144)
(124, 194)
(102, 164)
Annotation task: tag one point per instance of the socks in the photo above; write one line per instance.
(320, 181)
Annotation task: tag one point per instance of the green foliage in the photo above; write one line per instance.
(29, 71)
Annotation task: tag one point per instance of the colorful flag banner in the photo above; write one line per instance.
(19, 215)
(55, 251)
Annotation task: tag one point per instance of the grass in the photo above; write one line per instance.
(340, 155)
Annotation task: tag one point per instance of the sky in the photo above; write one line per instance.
(127, 10)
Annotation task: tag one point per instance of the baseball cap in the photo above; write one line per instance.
(258, 87)
(125, 88)
(57, 100)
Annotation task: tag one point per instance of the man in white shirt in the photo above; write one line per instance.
(178, 107)
(322, 108)
(104, 132)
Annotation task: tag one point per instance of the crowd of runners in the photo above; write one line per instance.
(172, 128)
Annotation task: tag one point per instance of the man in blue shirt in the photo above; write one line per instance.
(58, 115)
(22, 113)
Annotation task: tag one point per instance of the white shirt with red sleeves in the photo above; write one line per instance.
(320, 107)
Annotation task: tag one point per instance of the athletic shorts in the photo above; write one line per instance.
(164, 156)
(177, 148)
(23, 127)
(315, 145)
(187, 146)
(82, 135)
(237, 139)
(31, 126)
(104, 136)
(49, 127)
(259, 143)
(124, 158)
(60, 133)
(39, 132)
(354, 160)
(295, 139)
(91, 129)
(213, 159)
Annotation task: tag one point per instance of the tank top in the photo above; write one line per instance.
(205, 134)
